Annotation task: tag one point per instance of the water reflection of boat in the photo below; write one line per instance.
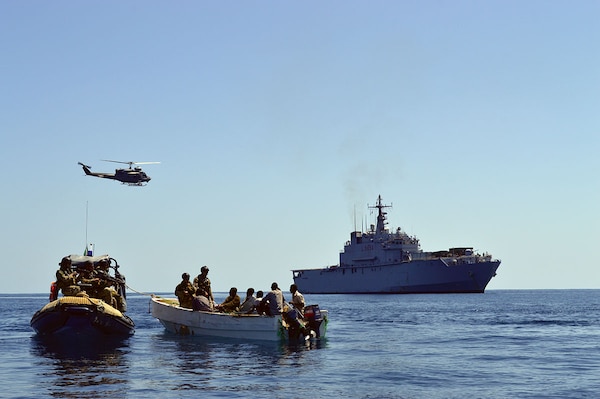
(64, 348)
(184, 321)
(80, 368)
(83, 315)
(199, 365)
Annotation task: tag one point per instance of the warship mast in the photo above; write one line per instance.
(381, 218)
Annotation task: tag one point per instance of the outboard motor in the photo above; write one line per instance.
(312, 314)
(294, 326)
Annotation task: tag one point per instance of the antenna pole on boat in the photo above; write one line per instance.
(86, 223)
(89, 248)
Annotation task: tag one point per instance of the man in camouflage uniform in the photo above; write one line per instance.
(185, 291)
(202, 285)
(105, 289)
(66, 278)
(88, 279)
(231, 303)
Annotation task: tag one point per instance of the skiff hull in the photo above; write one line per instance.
(184, 321)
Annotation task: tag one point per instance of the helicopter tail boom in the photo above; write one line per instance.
(86, 168)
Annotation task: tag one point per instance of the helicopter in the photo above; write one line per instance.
(130, 176)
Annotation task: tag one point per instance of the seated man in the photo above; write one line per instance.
(261, 308)
(249, 303)
(231, 303)
(273, 301)
(88, 280)
(200, 302)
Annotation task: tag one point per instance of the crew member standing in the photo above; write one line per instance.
(297, 298)
(185, 291)
(202, 285)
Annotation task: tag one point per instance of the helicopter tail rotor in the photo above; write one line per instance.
(86, 168)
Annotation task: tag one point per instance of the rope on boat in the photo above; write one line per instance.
(145, 294)
(141, 293)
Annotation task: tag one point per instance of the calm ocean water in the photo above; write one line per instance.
(501, 344)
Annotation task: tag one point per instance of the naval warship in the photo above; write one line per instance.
(384, 262)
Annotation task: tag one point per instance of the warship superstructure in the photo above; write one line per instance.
(384, 262)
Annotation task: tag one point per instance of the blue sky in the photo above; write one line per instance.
(277, 122)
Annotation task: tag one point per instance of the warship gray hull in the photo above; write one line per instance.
(416, 277)
(383, 262)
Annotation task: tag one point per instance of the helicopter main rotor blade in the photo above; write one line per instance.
(108, 160)
(130, 163)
